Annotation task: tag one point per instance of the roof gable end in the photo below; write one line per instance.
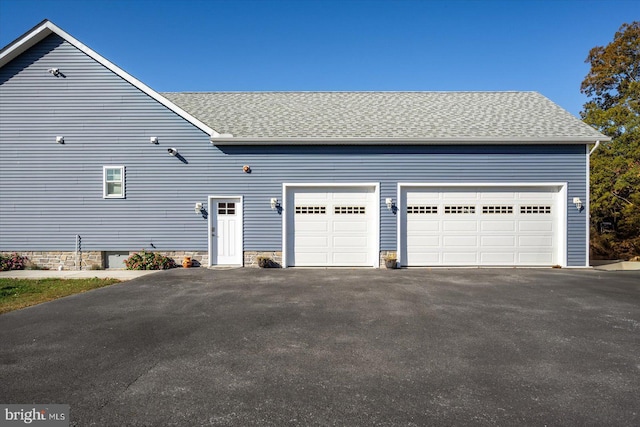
(46, 28)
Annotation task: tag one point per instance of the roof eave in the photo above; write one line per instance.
(46, 28)
(406, 141)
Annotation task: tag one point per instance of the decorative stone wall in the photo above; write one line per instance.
(66, 260)
(251, 258)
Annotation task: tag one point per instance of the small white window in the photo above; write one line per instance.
(113, 181)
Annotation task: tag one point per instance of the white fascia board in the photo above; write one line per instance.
(45, 28)
(402, 141)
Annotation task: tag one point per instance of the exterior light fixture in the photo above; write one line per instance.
(60, 139)
(578, 203)
(153, 139)
(274, 203)
(246, 169)
(54, 71)
(172, 151)
(389, 202)
(198, 208)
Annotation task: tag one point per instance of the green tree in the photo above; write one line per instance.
(613, 86)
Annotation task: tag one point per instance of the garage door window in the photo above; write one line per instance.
(349, 210)
(535, 209)
(459, 209)
(310, 210)
(422, 209)
(497, 209)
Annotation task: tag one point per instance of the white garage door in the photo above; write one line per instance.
(331, 226)
(481, 226)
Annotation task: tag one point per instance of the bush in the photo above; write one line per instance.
(12, 262)
(149, 261)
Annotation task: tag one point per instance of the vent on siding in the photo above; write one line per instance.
(357, 210)
(310, 210)
(535, 209)
(422, 209)
(459, 209)
(497, 209)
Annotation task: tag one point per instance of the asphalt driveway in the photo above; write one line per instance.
(335, 347)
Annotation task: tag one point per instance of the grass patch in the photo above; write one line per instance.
(20, 293)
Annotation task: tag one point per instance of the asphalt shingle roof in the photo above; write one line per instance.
(397, 115)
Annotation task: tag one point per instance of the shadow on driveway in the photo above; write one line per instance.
(324, 347)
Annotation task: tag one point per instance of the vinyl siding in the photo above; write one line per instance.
(51, 192)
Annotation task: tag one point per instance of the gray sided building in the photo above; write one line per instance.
(95, 165)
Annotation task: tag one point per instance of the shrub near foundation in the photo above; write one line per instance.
(144, 260)
(12, 262)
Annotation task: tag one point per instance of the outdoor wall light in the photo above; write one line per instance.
(198, 208)
(172, 151)
(578, 203)
(389, 202)
(246, 169)
(274, 203)
(54, 71)
(153, 139)
(60, 139)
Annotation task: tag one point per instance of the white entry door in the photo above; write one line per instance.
(225, 227)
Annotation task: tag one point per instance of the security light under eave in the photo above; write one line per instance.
(60, 139)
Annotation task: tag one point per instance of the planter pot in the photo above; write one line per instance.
(186, 262)
(391, 263)
(264, 262)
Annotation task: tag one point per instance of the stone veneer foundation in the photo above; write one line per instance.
(251, 258)
(88, 259)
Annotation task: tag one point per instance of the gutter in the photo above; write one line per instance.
(594, 148)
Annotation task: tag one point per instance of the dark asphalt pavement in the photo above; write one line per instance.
(335, 347)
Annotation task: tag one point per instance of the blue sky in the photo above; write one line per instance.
(348, 45)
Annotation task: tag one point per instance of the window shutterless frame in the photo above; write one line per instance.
(113, 182)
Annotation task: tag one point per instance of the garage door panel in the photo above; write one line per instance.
(463, 241)
(314, 259)
(480, 226)
(497, 195)
(498, 258)
(498, 241)
(424, 226)
(535, 258)
(353, 241)
(313, 242)
(349, 226)
(537, 226)
(459, 195)
(350, 258)
(535, 241)
(460, 258)
(497, 226)
(460, 225)
(312, 227)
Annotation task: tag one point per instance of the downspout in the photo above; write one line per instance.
(594, 148)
